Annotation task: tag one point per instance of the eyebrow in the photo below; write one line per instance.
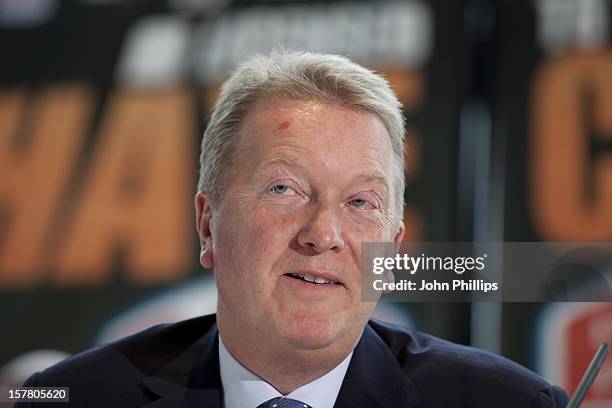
(377, 179)
(273, 162)
(369, 178)
(292, 162)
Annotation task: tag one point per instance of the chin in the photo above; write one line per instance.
(312, 333)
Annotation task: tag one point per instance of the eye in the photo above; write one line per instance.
(361, 204)
(282, 189)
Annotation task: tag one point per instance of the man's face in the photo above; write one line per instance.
(309, 184)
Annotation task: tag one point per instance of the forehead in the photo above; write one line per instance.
(314, 130)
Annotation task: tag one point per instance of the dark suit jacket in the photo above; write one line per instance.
(177, 365)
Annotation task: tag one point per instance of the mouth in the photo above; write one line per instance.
(317, 280)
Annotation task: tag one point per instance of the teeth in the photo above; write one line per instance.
(311, 278)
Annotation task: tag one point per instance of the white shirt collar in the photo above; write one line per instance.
(244, 389)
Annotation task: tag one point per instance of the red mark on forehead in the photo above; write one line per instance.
(284, 125)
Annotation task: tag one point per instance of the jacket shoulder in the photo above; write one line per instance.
(113, 371)
(456, 375)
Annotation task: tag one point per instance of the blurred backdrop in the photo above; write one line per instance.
(103, 103)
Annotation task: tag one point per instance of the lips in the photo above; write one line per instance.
(316, 278)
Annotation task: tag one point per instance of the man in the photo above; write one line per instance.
(301, 162)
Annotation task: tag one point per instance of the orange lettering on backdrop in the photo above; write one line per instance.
(36, 152)
(562, 165)
(138, 193)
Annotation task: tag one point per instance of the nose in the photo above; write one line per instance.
(322, 232)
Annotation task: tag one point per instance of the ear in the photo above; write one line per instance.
(204, 211)
(389, 276)
(399, 235)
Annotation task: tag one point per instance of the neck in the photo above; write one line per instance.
(283, 366)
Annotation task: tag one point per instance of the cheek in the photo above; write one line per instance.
(367, 232)
(271, 232)
(251, 245)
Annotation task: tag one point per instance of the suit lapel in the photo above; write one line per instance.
(189, 380)
(374, 378)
